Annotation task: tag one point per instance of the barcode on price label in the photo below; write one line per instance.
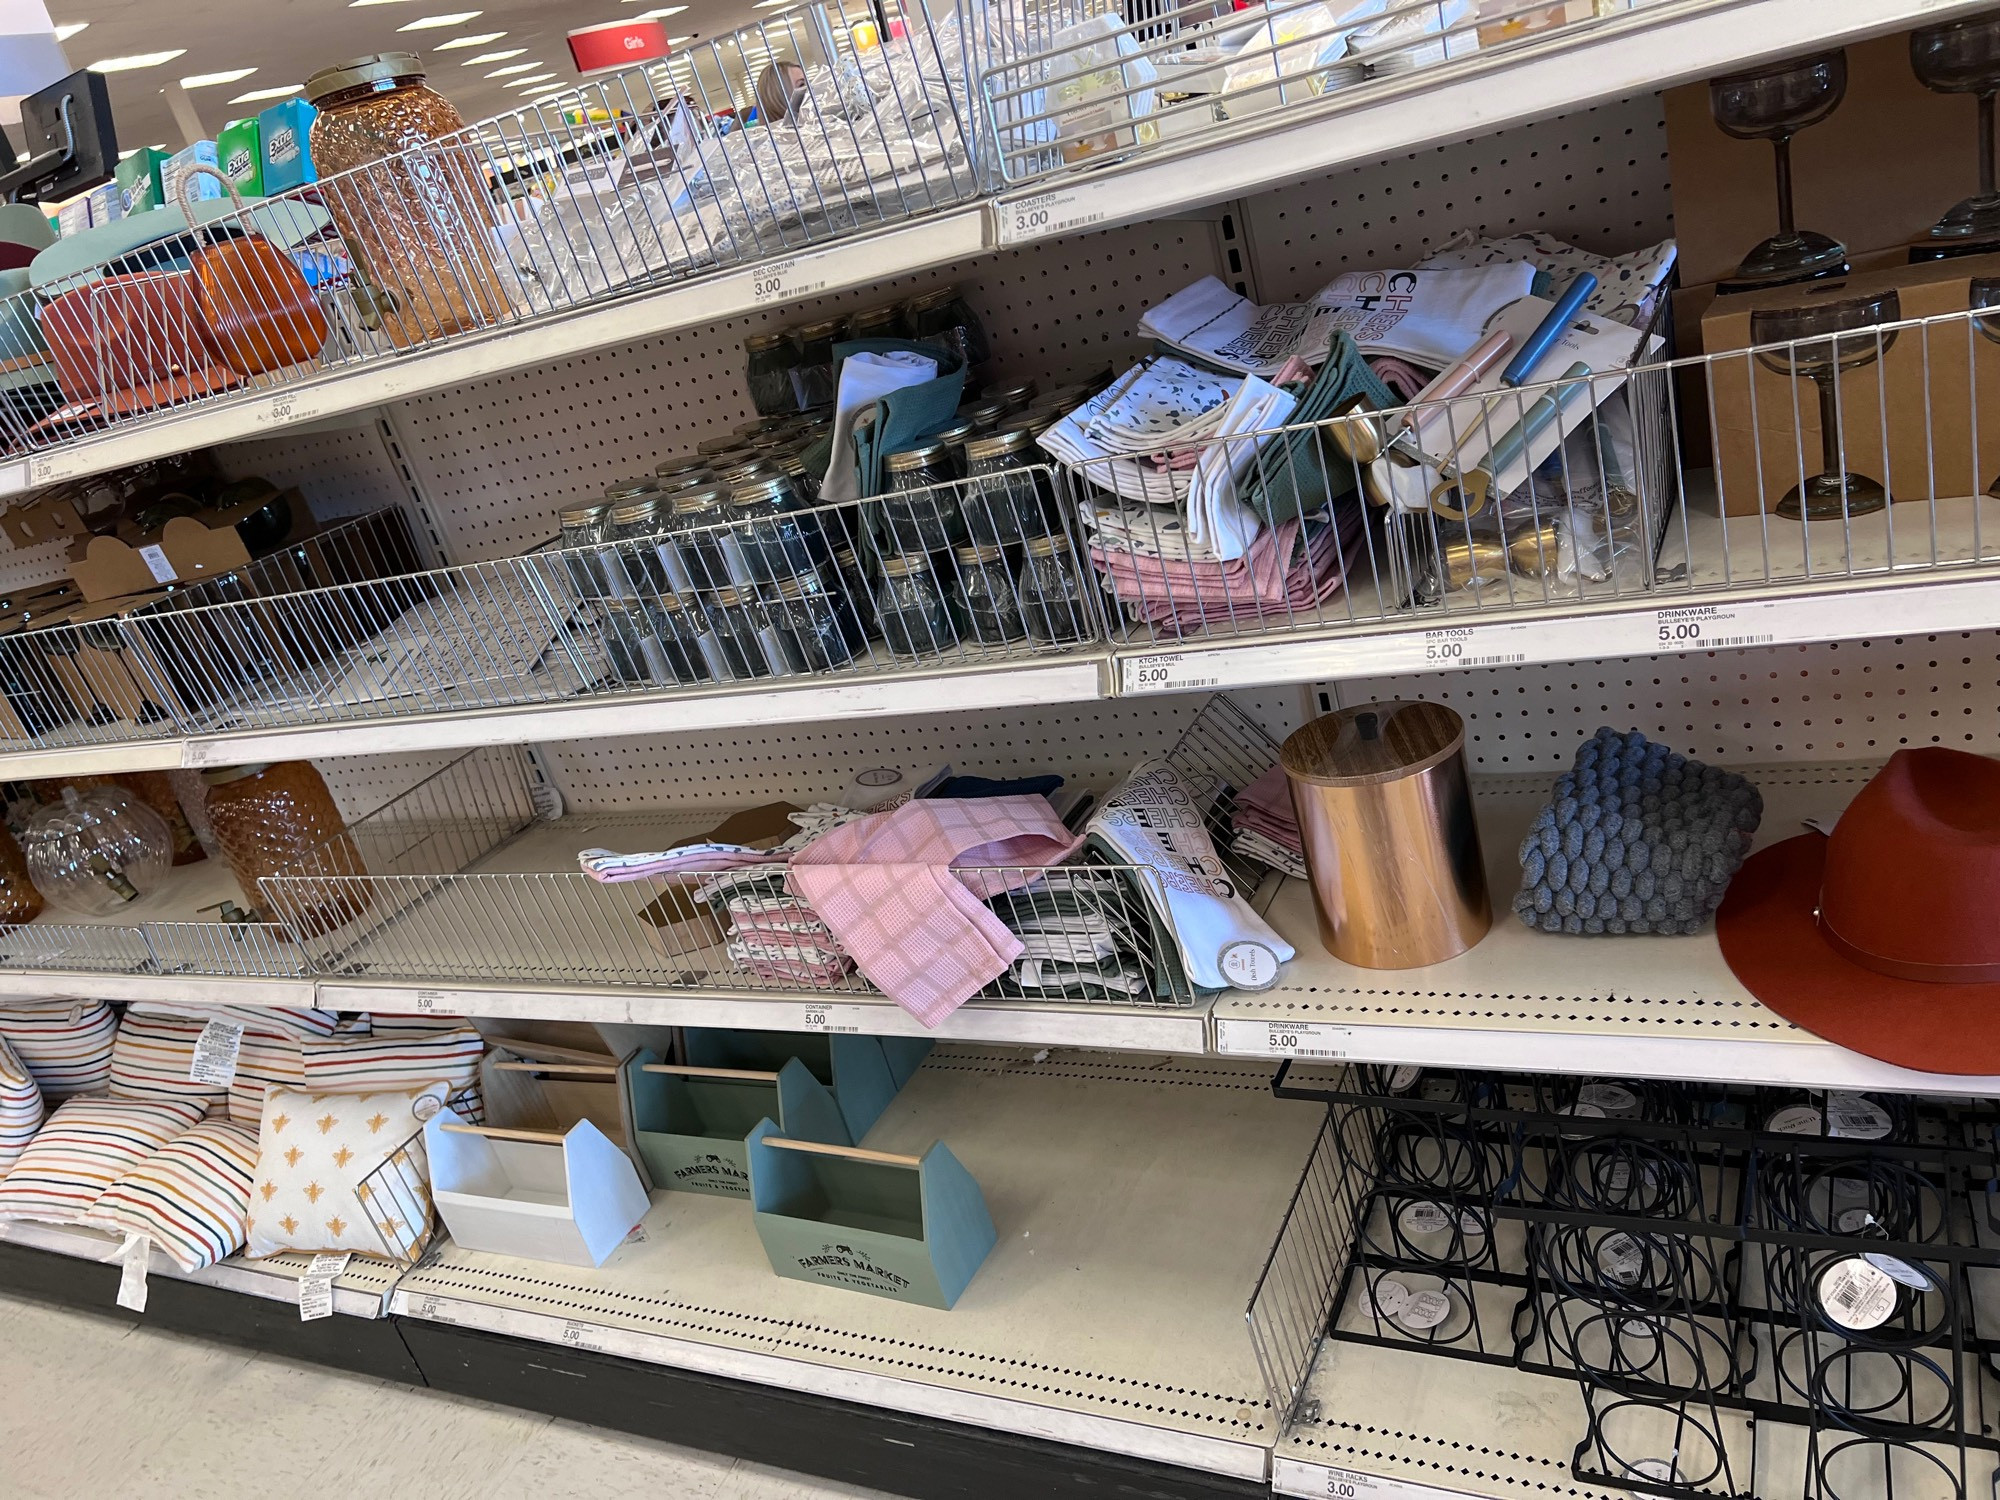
(429, 1002)
(1290, 1477)
(431, 1310)
(1464, 648)
(1045, 214)
(1169, 672)
(1704, 628)
(1282, 1039)
(781, 281)
(828, 1018)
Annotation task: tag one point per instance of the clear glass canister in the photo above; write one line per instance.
(585, 530)
(777, 541)
(1016, 397)
(1007, 498)
(944, 318)
(814, 625)
(280, 819)
(879, 323)
(97, 850)
(920, 516)
(854, 584)
(954, 439)
(701, 540)
(986, 603)
(1051, 594)
(636, 523)
(740, 625)
(409, 195)
(768, 365)
(813, 375)
(911, 611)
(655, 641)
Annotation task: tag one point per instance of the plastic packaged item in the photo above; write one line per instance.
(239, 151)
(420, 219)
(284, 131)
(97, 851)
(1101, 88)
(278, 818)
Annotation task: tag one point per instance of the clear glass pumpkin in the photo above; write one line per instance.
(97, 851)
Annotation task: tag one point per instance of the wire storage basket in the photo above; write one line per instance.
(1733, 1279)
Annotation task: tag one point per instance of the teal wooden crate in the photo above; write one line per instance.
(913, 1228)
(689, 1123)
(864, 1072)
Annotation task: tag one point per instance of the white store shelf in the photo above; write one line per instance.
(361, 1292)
(1643, 50)
(1135, 1202)
(1521, 1000)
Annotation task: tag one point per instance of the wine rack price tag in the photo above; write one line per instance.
(785, 280)
(1169, 672)
(1290, 1477)
(1283, 1039)
(1706, 627)
(1046, 214)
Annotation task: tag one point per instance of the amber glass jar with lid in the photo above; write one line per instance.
(409, 195)
(1007, 498)
(278, 818)
(920, 505)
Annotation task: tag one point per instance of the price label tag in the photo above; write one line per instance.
(1290, 1477)
(1854, 1117)
(1857, 1293)
(132, 1274)
(582, 1336)
(288, 406)
(158, 564)
(1469, 648)
(53, 468)
(430, 1002)
(1706, 627)
(1169, 672)
(1283, 1039)
(828, 1018)
(1047, 214)
(431, 1309)
(215, 1054)
(785, 281)
(316, 1286)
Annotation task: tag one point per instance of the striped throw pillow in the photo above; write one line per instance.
(66, 1044)
(20, 1107)
(283, 1020)
(154, 1054)
(87, 1145)
(192, 1197)
(395, 1058)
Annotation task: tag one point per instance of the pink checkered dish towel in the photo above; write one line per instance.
(884, 884)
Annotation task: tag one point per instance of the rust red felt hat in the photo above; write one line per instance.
(1885, 935)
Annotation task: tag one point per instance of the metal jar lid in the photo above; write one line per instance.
(983, 413)
(762, 489)
(223, 775)
(1016, 395)
(687, 479)
(757, 343)
(999, 444)
(581, 515)
(820, 330)
(974, 556)
(904, 565)
(709, 447)
(377, 68)
(906, 459)
(700, 501)
(1373, 742)
(630, 489)
(845, 560)
(741, 472)
(647, 507)
(728, 596)
(1047, 546)
(955, 435)
(937, 297)
(801, 586)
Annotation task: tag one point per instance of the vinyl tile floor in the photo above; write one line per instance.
(97, 1407)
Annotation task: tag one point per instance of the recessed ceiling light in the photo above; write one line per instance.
(675, 41)
(256, 96)
(433, 23)
(512, 68)
(530, 81)
(64, 33)
(352, 4)
(492, 57)
(661, 14)
(136, 60)
(772, 4)
(209, 80)
(469, 41)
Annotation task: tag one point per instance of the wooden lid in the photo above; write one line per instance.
(1373, 742)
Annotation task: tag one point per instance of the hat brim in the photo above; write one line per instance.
(1770, 935)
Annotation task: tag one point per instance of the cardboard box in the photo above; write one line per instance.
(567, 1196)
(691, 1124)
(1875, 174)
(175, 167)
(51, 518)
(187, 550)
(138, 179)
(1767, 424)
(285, 131)
(240, 152)
(914, 1229)
(107, 206)
(681, 925)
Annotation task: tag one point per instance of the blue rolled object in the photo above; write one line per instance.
(1635, 838)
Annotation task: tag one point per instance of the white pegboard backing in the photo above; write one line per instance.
(1837, 701)
(31, 567)
(497, 459)
(1091, 745)
(1596, 178)
(342, 471)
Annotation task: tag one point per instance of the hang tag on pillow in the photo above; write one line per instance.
(316, 1286)
(134, 1255)
(215, 1052)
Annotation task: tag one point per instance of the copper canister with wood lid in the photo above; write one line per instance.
(1385, 812)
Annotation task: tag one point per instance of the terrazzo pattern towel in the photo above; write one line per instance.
(1635, 838)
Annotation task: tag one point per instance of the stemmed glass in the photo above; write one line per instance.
(1820, 342)
(1985, 305)
(1963, 57)
(1774, 105)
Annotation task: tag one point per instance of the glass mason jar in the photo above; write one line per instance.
(791, 462)
(813, 376)
(279, 819)
(739, 624)
(1007, 499)
(679, 473)
(984, 415)
(1051, 594)
(879, 323)
(814, 625)
(702, 546)
(653, 641)
(860, 598)
(19, 900)
(920, 517)
(911, 611)
(944, 318)
(777, 541)
(636, 524)
(954, 439)
(1016, 397)
(418, 217)
(768, 365)
(985, 597)
(586, 527)
(684, 636)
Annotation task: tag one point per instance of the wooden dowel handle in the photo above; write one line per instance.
(548, 1049)
(852, 1153)
(749, 1074)
(504, 1133)
(595, 1070)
